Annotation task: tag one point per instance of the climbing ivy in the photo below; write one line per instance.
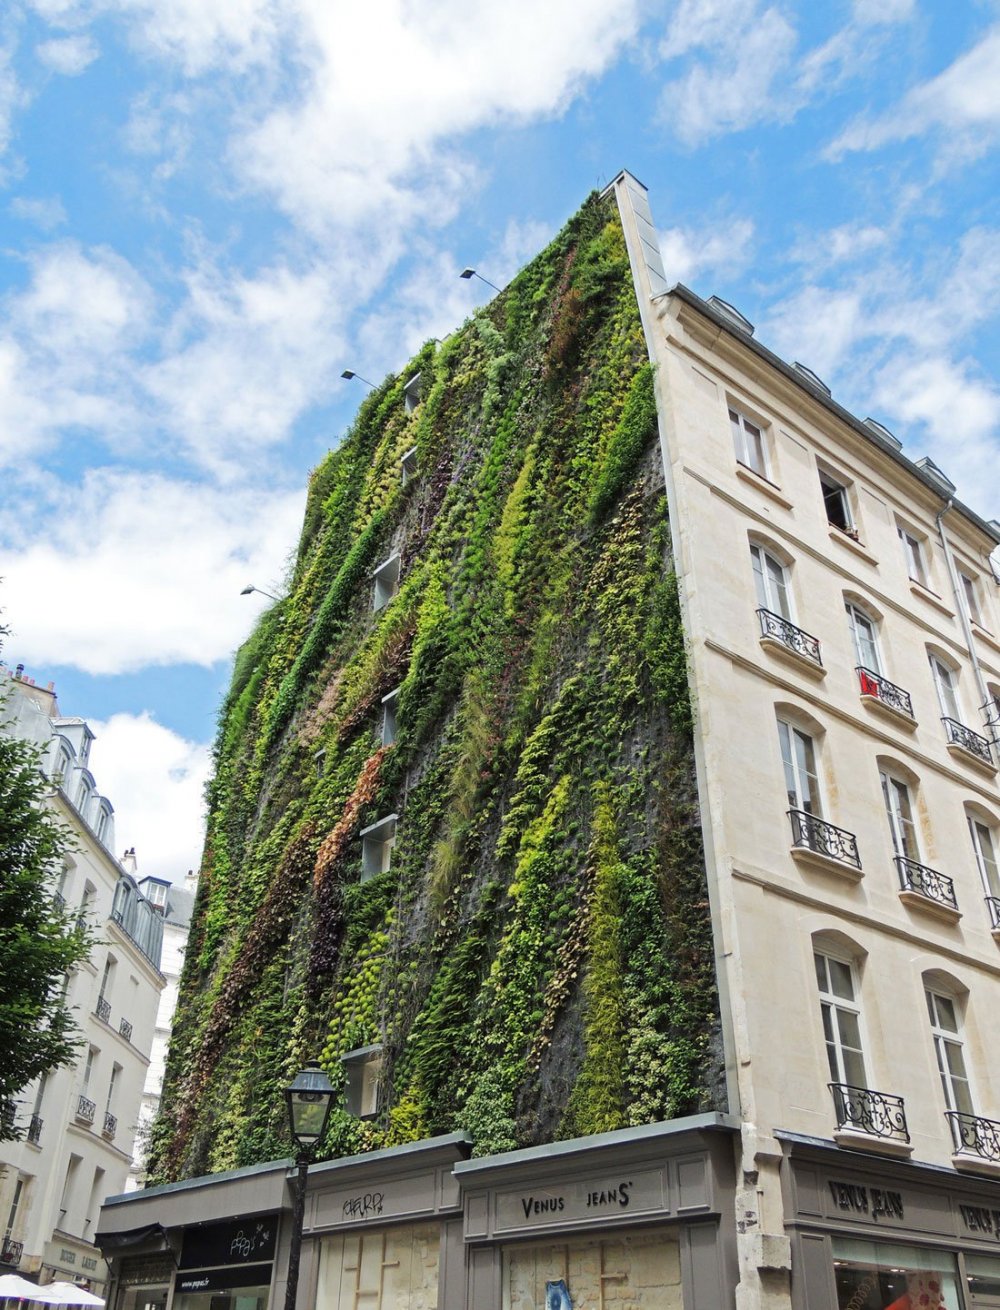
(536, 961)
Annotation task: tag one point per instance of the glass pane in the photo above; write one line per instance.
(945, 1010)
(791, 786)
(850, 1031)
(760, 586)
(841, 982)
(821, 978)
(854, 1069)
(805, 767)
(777, 588)
(873, 1276)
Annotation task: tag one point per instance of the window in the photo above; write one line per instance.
(88, 1068)
(408, 464)
(377, 842)
(914, 555)
(985, 846)
(970, 597)
(838, 507)
(771, 582)
(116, 1070)
(798, 756)
(748, 441)
(363, 1068)
(863, 634)
(411, 394)
(899, 812)
(15, 1205)
(948, 1049)
(83, 796)
(386, 582)
(841, 1020)
(947, 692)
(389, 704)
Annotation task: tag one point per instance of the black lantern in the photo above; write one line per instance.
(309, 1099)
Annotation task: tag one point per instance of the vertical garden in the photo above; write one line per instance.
(536, 959)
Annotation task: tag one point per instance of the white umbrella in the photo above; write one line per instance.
(65, 1294)
(15, 1285)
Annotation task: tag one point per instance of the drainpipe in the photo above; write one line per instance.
(956, 587)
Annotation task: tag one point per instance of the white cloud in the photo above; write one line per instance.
(45, 212)
(68, 55)
(722, 248)
(155, 779)
(963, 102)
(132, 570)
(12, 98)
(839, 245)
(819, 327)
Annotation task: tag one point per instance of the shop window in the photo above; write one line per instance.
(364, 1069)
(876, 1275)
(377, 842)
(386, 578)
(383, 1269)
(983, 1273)
(636, 1269)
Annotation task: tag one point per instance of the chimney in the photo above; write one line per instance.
(129, 862)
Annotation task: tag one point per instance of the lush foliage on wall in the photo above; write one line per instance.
(536, 960)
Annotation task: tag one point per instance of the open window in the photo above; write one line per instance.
(386, 578)
(408, 465)
(377, 841)
(389, 704)
(914, 554)
(749, 443)
(837, 502)
(411, 393)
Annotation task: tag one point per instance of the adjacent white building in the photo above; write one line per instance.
(79, 1121)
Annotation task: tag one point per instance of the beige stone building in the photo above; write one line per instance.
(843, 625)
(79, 1121)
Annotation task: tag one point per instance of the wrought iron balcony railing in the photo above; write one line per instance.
(110, 1124)
(103, 1009)
(34, 1130)
(125, 1028)
(873, 684)
(811, 833)
(876, 1113)
(960, 735)
(11, 1251)
(993, 905)
(975, 1135)
(914, 877)
(59, 900)
(86, 1109)
(781, 629)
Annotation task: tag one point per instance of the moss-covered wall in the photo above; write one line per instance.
(538, 959)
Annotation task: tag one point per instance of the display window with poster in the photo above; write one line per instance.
(894, 1276)
(620, 1270)
(381, 1269)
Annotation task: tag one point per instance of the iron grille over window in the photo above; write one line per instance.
(86, 1109)
(11, 1251)
(876, 1113)
(914, 877)
(34, 1129)
(873, 684)
(796, 639)
(824, 838)
(110, 1124)
(125, 1028)
(975, 1135)
(103, 1009)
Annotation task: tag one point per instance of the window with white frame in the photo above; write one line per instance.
(971, 597)
(748, 442)
(837, 503)
(841, 1013)
(913, 552)
(985, 845)
(899, 811)
(947, 1034)
(771, 582)
(798, 758)
(946, 685)
(864, 635)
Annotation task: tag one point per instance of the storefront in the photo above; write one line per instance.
(878, 1234)
(641, 1218)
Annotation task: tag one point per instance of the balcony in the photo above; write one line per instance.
(870, 1121)
(977, 1142)
(993, 905)
(881, 694)
(125, 1028)
(34, 1132)
(927, 889)
(817, 842)
(11, 1251)
(110, 1125)
(86, 1109)
(103, 1009)
(782, 637)
(964, 741)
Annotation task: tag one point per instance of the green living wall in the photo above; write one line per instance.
(537, 961)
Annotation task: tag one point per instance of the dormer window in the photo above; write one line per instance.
(386, 578)
(411, 393)
(409, 465)
(389, 704)
(363, 1068)
(377, 842)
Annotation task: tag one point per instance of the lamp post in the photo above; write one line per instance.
(249, 589)
(350, 374)
(468, 273)
(309, 1099)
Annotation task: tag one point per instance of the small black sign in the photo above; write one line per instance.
(218, 1280)
(234, 1242)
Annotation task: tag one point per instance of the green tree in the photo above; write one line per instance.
(39, 939)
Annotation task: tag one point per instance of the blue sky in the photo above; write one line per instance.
(209, 210)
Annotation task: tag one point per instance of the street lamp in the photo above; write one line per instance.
(250, 588)
(309, 1099)
(468, 273)
(349, 374)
